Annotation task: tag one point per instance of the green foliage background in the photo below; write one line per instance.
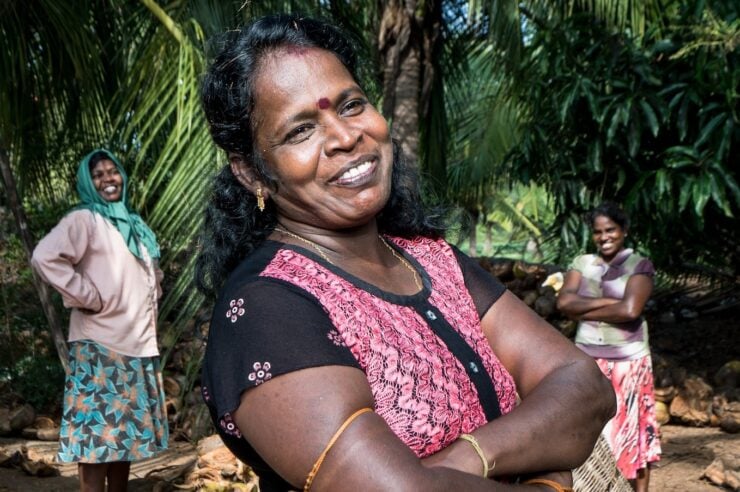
(649, 122)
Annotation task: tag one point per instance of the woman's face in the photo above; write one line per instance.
(327, 146)
(107, 180)
(608, 236)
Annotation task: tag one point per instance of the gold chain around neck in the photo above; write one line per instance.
(321, 252)
(307, 241)
(403, 261)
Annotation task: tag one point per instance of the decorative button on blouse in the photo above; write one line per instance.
(431, 316)
(473, 367)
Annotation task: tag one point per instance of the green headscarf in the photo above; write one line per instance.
(129, 223)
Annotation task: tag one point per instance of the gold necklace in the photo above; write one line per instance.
(320, 250)
(403, 261)
(307, 241)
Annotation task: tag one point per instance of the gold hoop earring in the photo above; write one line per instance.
(260, 199)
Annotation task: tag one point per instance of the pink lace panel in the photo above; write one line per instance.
(421, 390)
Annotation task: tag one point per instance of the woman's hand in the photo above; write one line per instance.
(606, 309)
(566, 400)
(630, 307)
(290, 419)
(575, 305)
(56, 255)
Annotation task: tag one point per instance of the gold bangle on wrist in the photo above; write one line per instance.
(479, 451)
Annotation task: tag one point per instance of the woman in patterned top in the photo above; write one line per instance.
(606, 292)
(351, 347)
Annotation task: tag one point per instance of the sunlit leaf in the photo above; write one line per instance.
(684, 195)
(650, 116)
(662, 182)
(706, 132)
(700, 194)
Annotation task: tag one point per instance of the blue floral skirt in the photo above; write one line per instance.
(113, 407)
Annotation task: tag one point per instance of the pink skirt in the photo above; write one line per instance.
(633, 432)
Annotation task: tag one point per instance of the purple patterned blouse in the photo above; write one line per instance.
(623, 341)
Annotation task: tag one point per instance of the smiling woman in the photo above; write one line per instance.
(103, 259)
(352, 347)
(333, 147)
(606, 292)
(107, 179)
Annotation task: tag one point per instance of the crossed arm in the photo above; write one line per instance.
(565, 402)
(610, 310)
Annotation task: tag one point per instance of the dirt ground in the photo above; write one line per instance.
(15, 480)
(700, 346)
(687, 451)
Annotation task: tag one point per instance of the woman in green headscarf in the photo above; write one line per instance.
(103, 260)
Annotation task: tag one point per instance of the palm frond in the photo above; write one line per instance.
(51, 93)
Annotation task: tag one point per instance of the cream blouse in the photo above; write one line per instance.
(113, 295)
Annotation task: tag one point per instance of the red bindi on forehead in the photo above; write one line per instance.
(323, 103)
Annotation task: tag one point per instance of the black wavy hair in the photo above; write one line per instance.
(610, 210)
(98, 156)
(233, 225)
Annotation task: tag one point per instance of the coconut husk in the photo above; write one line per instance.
(723, 471)
(665, 395)
(217, 469)
(662, 415)
(43, 422)
(21, 417)
(31, 462)
(728, 376)
(48, 434)
(545, 306)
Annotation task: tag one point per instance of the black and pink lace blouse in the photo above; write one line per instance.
(286, 309)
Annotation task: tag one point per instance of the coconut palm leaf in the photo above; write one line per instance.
(51, 92)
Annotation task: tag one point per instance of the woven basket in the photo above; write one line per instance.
(600, 473)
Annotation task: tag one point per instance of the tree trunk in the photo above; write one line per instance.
(434, 129)
(410, 49)
(25, 235)
(400, 49)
